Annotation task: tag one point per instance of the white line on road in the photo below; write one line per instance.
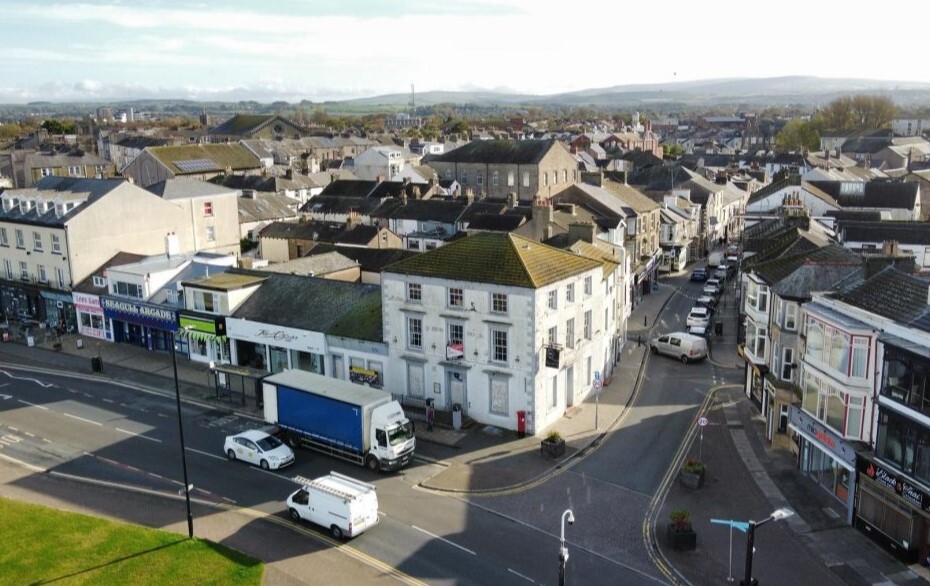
(516, 573)
(433, 535)
(207, 454)
(33, 404)
(151, 439)
(82, 419)
(105, 400)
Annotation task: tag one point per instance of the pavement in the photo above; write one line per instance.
(745, 475)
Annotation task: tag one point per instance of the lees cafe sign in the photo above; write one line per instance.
(895, 482)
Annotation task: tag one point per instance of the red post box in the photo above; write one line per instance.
(521, 423)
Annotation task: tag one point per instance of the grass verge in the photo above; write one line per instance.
(48, 546)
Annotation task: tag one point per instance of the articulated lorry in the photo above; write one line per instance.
(336, 417)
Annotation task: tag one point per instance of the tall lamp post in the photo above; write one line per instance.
(177, 396)
(782, 513)
(563, 551)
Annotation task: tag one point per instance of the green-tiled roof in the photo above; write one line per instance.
(499, 259)
(234, 156)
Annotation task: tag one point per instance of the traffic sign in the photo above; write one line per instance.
(598, 384)
(597, 375)
(702, 421)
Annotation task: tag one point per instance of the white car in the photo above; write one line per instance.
(699, 316)
(257, 447)
(713, 287)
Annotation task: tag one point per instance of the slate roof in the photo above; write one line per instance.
(500, 259)
(875, 194)
(352, 310)
(317, 264)
(597, 199)
(429, 210)
(510, 152)
(184, 188)
(69, 189)
(774, 187)
(777, 270)
(631, 196)
(349, 188)
(337, 205)
(242, 124)
(272, 184)
(370, 259)
(482, 208)
(891, 293)
(234, 156)
(878, 231)
(321, 231)
(266, 206)
(496, 222)
(140, 142)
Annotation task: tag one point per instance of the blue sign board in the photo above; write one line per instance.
(143, 314)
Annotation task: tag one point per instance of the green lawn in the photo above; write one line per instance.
(47, 546)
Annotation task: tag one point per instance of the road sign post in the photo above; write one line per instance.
(702, 422)
(598, 383)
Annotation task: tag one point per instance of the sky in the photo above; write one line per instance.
(317, 50)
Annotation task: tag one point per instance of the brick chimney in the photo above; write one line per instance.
(542, 217)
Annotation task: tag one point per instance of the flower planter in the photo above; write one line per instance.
(552, 449)
(681, 537)
(692, 480)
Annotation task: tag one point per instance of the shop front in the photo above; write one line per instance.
(141, 324)
(90, 320)
(275, 348)
(755, 379)
(59, 311)
(826, 458)
(893, 509)
(22, 302)
(205, 335)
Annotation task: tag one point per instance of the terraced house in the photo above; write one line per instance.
(496, 168)
(499, 326)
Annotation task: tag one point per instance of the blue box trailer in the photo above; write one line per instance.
(343, 419)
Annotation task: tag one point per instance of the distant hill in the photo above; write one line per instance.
(756, 92)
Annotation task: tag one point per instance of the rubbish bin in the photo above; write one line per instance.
(96, 364)
(718, 329)
(521, 424)
(456, 416)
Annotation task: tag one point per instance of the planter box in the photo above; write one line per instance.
(691, 480)
(681, 539)
(552, 449)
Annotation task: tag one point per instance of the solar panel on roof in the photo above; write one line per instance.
(196, 165)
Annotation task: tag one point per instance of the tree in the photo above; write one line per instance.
(59, 127)
(860, 111)
(672, 150)
(798, 135)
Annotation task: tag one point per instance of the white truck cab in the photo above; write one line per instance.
(392, 436)
(343, 505)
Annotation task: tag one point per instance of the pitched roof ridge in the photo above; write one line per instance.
(512, 238)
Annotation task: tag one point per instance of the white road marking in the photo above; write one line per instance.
(82, 419)
(433, 535)
(516, 573)
(36, 381)
(33, 404)
(207, 454)
(151, 439)
(105, 400)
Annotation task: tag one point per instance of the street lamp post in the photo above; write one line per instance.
(782, 513)
(563, 551)
(177, 396)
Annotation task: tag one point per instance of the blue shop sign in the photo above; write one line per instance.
(51, 295)
(142, 314)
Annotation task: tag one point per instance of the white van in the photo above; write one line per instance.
(681, 345)
(344, 505)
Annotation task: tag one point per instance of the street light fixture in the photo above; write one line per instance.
(778, 515)
(177, 396)
(563, 551)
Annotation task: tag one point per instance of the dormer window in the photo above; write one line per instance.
(24, 205)
(7, 204)
(99, 281)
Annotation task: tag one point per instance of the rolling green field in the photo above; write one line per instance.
(47, 546)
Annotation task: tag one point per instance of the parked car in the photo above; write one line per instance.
(699, 316)
(700, 331)
(258, 447)
(713, 287)
(721, 273)
(681, 345)
(699, 274)
(707, 301)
